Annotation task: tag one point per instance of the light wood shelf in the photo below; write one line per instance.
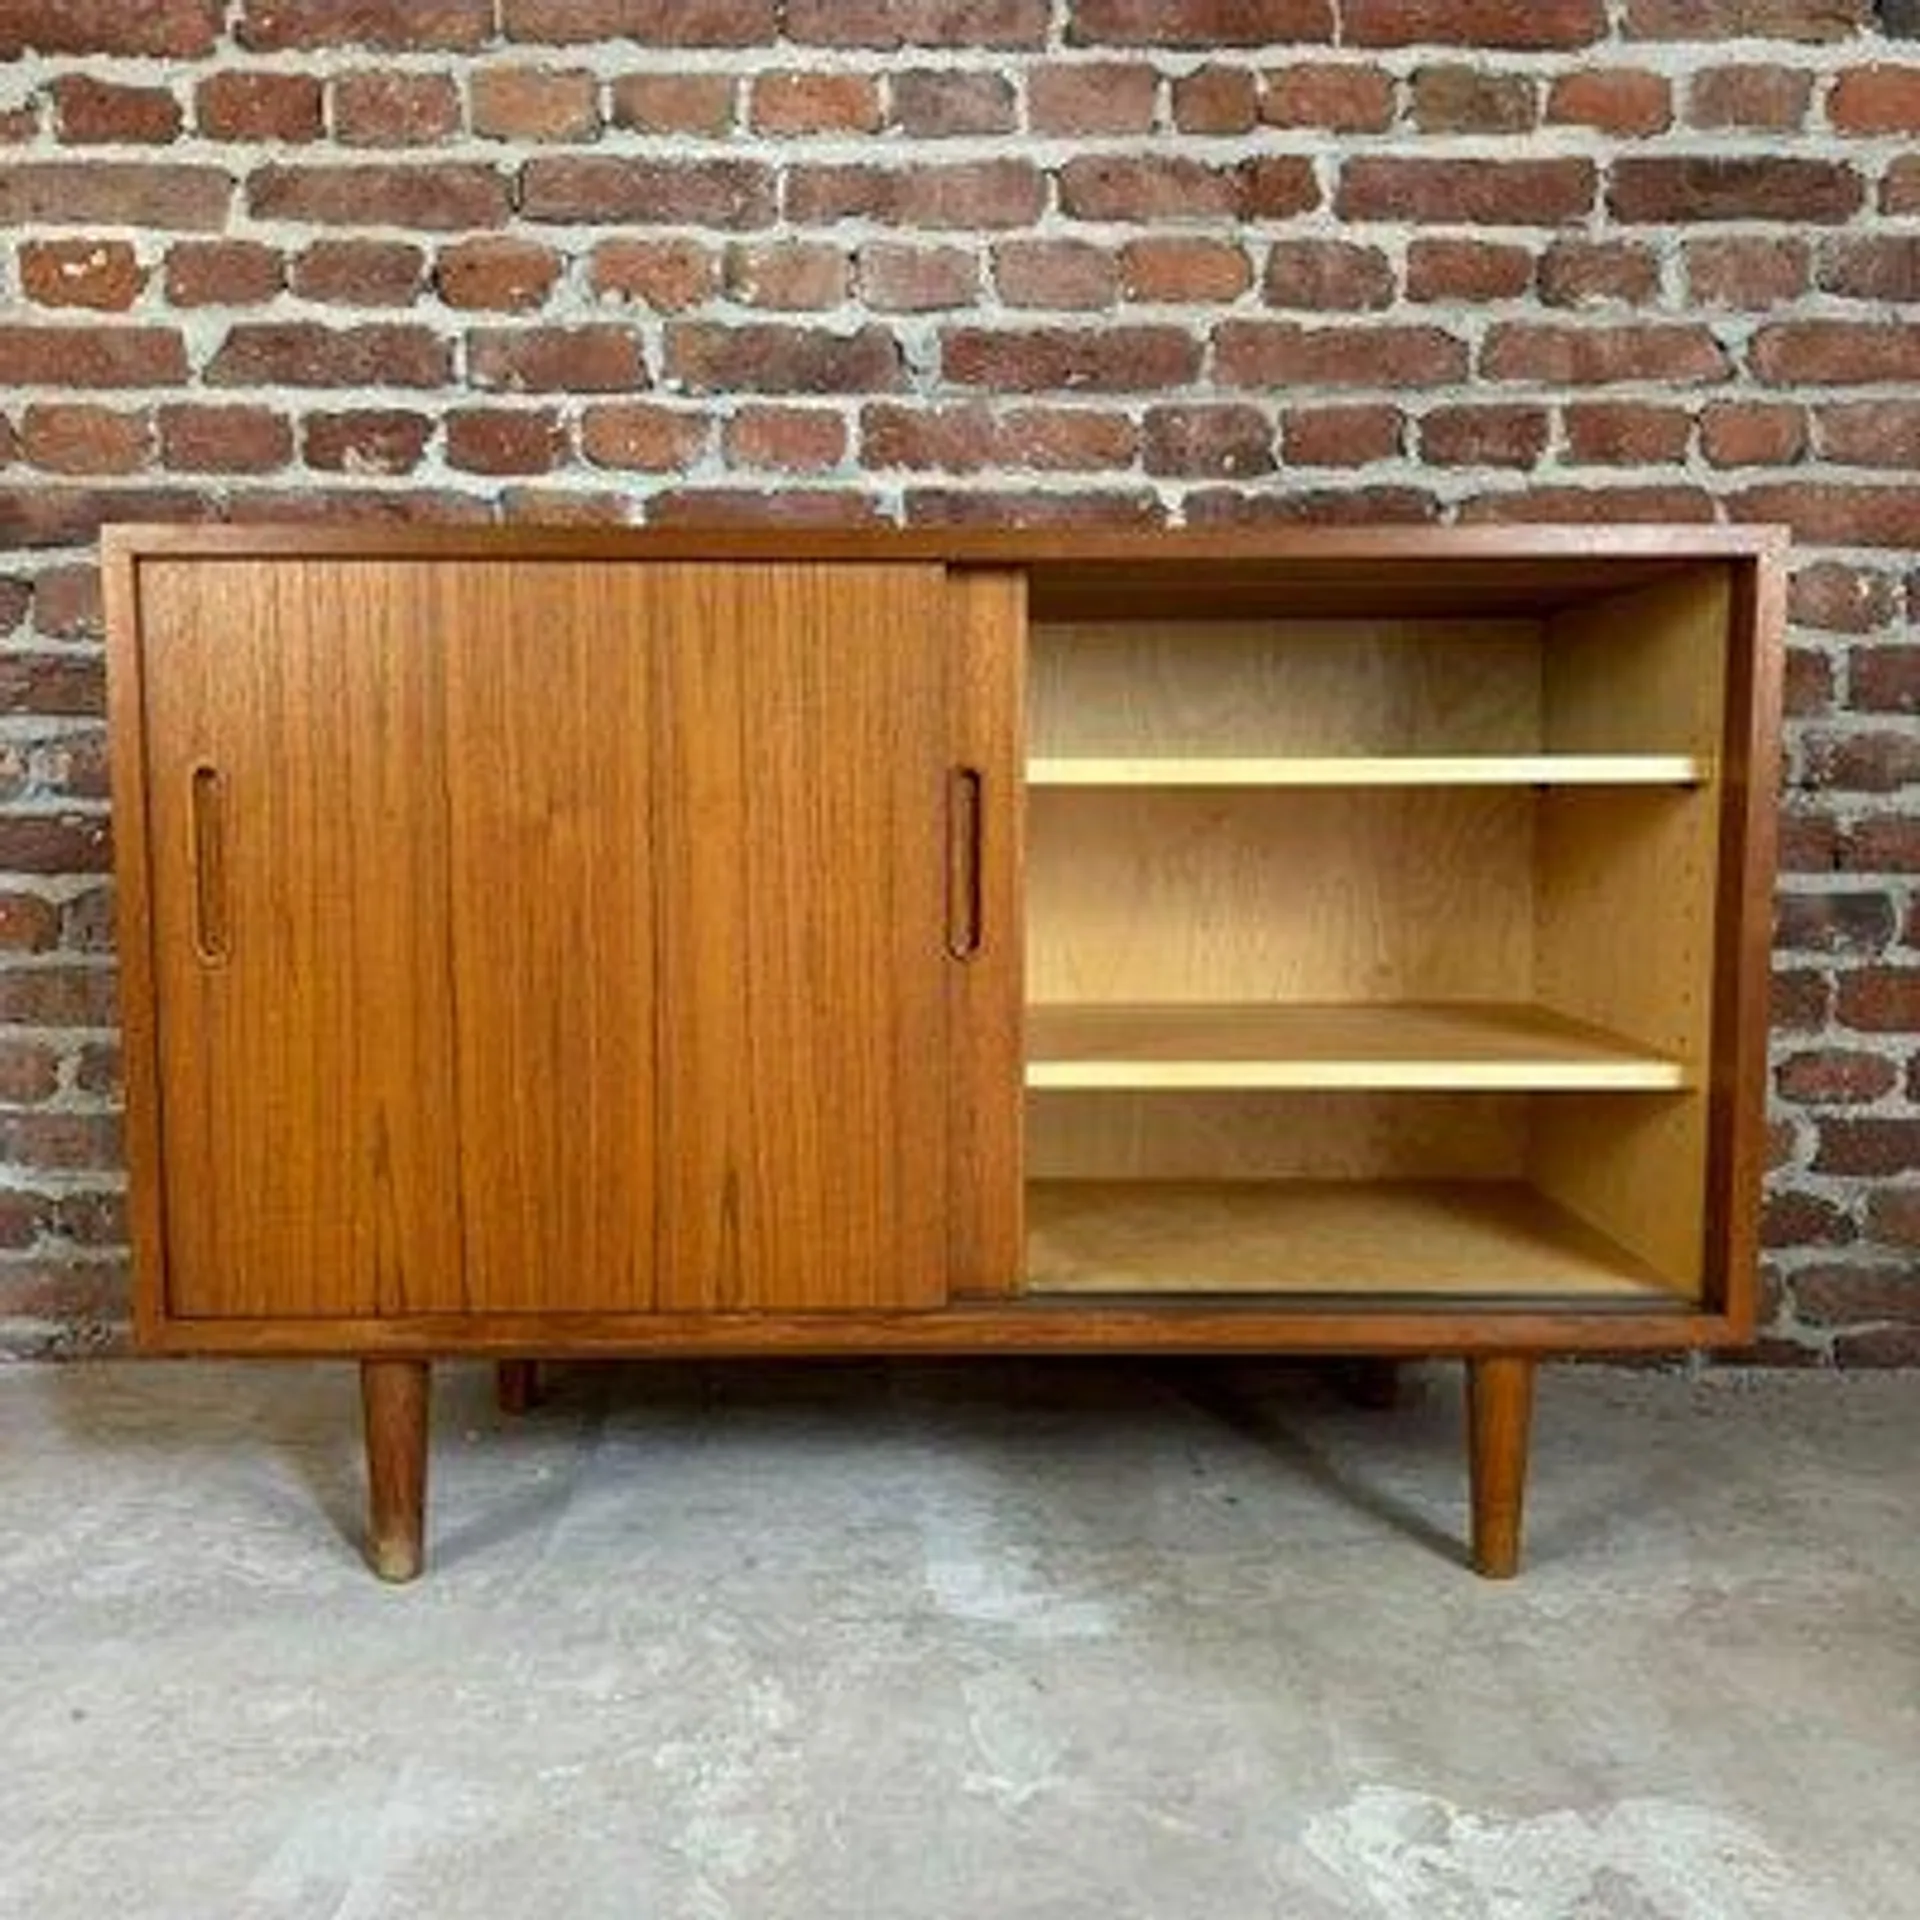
(1461, 1046)
(1372, 770)
(1461, 1240)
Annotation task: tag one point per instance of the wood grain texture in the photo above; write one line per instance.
(986, 1109)
(1499, 1435)
(308, 1079)
(1469, 1241)
(1450, 1046)
(395, 1398)
(801, 766)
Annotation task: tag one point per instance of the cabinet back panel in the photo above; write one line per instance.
(307, 1065)
(1391, 894)
(1285, 687)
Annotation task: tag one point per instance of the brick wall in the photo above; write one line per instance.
(961, 260)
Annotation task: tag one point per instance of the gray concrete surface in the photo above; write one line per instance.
(1064, 1641)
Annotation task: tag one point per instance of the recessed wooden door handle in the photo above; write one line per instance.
(965, 930)
(207, 855)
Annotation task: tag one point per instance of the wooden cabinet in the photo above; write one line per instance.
(543, 943)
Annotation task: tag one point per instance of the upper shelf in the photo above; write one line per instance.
(1372, 770)
(1467, 1046)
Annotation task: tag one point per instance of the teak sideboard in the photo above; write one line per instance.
(563, 943)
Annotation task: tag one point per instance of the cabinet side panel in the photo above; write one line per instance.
(548, 713)
(296, 792)
(802, 743)
(986, 1191)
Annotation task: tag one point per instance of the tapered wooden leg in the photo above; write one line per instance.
(1499, 1420)
(394, 1395)
(517, 1385)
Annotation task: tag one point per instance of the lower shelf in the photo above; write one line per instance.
(1463, 1240)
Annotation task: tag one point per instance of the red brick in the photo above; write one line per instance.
(1619, 100)
(1482, 193)
(1758, 96)
(667, 275)
(1839, 1294)
(1751, 274)
(534, 103)
(785, 439)
(63, 996)
(496, 440)
(365, 440)
(1743, 434)
(1122, 359)
(948, 102)
(126, 193)
(644, 439)
(1876, 99)
(274, 26)
(166, 29)
(1834, 1077)
(605, 357)
(1581, 273)
(975, 437)
(1861, 761)
(706, 358)
(1837, 353)
(691, 103)
(798, 275)
(92, 356)
(29, 1072)
(800, 103)
(440, 196)
(16, 600)
(1342, 99)
(1880, 1000)
(52, 684)
(1883, 267)
(216, 439)
(51, 843)
(1254, 353)
(357, 506)
(971, 193)
(1592, 506)
(361, 273)
(29, 923)
(1055, 273)
(1356, 506)
(1871, 433)
(1476, 436)
(1893, 1216)
(1216, 100)
(103, 275)
(1883, 843)
(917, 23)
(1884, 679)
(1467, 270)
(1874, 1147)
(1841, 599)
(1791, 1219)
(1184, 272)
(66, 603)
(258, 106)
(61, 1141)
(786, 505)
(1097, 96)
(1327, 275)
(1465, 99)
(223, 273)
(52, 515)
(1214, 442)
(508, 276)
(903, 279)
(1199, 23)
(21, 123)
(304, 353)
(1541, 24)
(1836, 515)
(652, 23)
(1590, 356)
(1152, 190)
(1812, 20)
(1005, 507)
(1719, 187)
(87, 112)
(79, 438)
(394, 109)
(610, 192)
(1809, 842)
(1900, 191)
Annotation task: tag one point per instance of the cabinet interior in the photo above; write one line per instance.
(1370, 935)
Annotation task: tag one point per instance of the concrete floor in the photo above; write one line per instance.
(1008, 1641)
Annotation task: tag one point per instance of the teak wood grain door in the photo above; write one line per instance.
(576, 936)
